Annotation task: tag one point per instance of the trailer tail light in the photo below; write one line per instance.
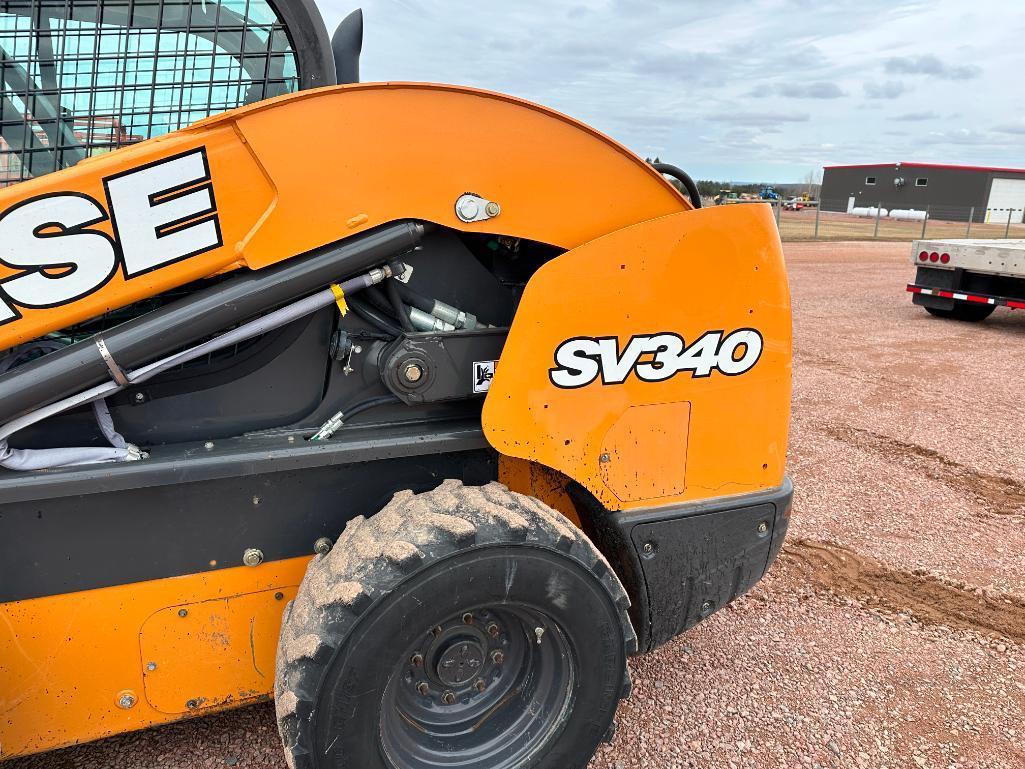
(934, 257)
(944, 258)
(924, 256)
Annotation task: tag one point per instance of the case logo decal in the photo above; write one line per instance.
(160, 213)
(654, 358)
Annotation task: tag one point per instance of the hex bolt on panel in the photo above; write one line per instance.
(322, 546)
(252, 556)
(126, 700)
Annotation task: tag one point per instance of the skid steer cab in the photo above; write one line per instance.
(420, 440)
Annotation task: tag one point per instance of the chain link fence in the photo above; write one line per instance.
(837, 220)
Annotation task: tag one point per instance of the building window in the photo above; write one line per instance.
(83, 77)
(921, 181)
(870, 181)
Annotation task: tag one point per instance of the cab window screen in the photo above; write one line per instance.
(83, 77)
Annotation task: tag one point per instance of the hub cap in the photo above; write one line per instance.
(482, 689)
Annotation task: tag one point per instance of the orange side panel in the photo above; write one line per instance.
(67, 661)
(304, 170)
(660, 439)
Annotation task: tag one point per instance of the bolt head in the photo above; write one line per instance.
(151, 666)
(448, 698)
(423, 688)
(480, 685)
(192, 704)
(706, 606)
(763, 527)
(604, 458)
(648, 547)
(252, 556)
(208, 445)
(417, 660)
(493, 629)
(322, 546)
(497, 657)
(469, 208)
(139, 397)
(493, 209)
(183, 612)
(279, 596)
(412, 372)
(468, 618)
(126, 700)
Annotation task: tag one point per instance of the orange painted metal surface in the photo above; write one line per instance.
(66, 660)
(688, 274)
(382, 152)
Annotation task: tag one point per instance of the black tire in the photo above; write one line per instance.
(971, 312)
(458, 577)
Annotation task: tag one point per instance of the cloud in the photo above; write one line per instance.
(931, 65)
(889, 89)
(759, 118)
(916, 117)
(1011, 128)
(819, 90)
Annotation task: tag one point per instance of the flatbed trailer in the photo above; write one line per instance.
(968, 279)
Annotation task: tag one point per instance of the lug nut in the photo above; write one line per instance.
(480, 685)
(437, 630)
(497, 657)
(467, 619)
(493, 629)
(423, 688)
(448, 698)
(417, 660)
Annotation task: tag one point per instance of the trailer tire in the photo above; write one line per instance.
(465, 621)
(970, 312)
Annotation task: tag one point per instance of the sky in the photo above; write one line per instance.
(742, 90)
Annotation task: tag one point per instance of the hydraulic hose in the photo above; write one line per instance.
(374, 318)
(684, 178)
(331, 426)
(391, 289)
(204, 312)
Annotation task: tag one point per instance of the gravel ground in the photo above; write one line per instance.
(889, 634)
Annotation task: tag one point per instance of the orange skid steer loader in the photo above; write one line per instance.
(420, 433)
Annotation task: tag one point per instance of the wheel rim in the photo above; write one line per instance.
(484, 688)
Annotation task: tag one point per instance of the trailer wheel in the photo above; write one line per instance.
(465, 626)
(971, 312)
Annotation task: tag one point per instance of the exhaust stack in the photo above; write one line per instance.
(347, 44)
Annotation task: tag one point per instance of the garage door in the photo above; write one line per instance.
(1006, 198)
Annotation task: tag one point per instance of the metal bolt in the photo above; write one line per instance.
(183, 612)
(423, 688)
(493, 209)
(448, 698)
(493, 629)
(480, 685)
(412, 372)
(208, 445)
(256, 500)
(763, 527)
(604, 458)
(192, 704)
(469, 208)
(467, 619)
(278, 596)
(252, 556)
(151, 666)
(322, 546)
(357, 349)
(139, 397)
(706, 606)
(291, 439)
(497, 657)
(126, 700)
(648, 548)
(436, 630)
(417, 660)
(539, 631)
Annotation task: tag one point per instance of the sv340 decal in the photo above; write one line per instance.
(654, 358)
